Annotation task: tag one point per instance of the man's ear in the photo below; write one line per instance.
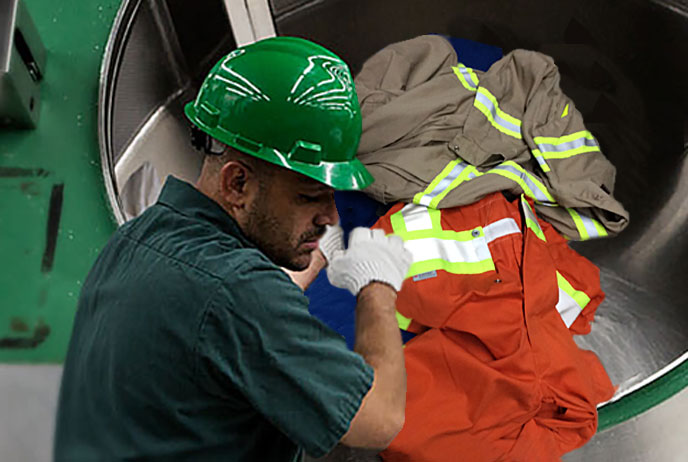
(236, 181)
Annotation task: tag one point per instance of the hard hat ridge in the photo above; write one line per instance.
(287, 101)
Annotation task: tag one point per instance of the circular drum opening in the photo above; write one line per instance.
(625, 66)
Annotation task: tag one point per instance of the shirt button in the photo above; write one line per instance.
(475, 233)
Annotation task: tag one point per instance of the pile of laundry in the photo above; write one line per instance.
(491, 173)
(495, 295)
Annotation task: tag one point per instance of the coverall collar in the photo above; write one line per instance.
(189, 201)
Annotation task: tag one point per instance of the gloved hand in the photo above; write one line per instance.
(332, 240)
(371, 256)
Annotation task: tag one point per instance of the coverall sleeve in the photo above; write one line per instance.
(259, 338)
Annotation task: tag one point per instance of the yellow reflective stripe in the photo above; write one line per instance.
(453, 174)
(509, 118)
(457, 181)
(461, 267)
(474, 77)
(570, 152)
(566, 146)
(535, 181)
(531, 219)
(519, 175)
(588, 228)
(403, 321)
(581, 298)
(486, 103)
(448, 250)
(464, 73)
(399, 228)
(473, 255)
(443, 174)
(434, 193)
(600, 229)
(515, 179)
(579, 225)
(540, 160)
(461, 236)
(397, 220)
(398, 224)
(435, 219)
(564, 139)
(535, 227)
(566, 111)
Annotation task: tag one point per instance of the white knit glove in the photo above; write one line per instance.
(371, 256)
(332, 241)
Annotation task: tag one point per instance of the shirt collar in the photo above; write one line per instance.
(189, 201)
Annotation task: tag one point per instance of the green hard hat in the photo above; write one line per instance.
(287, 101)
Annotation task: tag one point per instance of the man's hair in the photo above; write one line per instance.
(262, 169)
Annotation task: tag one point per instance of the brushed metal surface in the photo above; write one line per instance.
(156, 56)
(151, 71)
(658, 435)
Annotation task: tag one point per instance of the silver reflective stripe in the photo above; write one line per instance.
(446, 181)
(481, 97)
(539, 195)
(541, 160)
(416, 217)
(500, 228)
(589, 226)
(470, 80)
(451, 251)
(529, 212)
(568, 146)
(567, 307)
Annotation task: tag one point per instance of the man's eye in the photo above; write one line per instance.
(307, 198)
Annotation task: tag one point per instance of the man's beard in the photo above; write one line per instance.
(264, 230)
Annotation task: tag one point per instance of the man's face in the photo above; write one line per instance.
(288, 217)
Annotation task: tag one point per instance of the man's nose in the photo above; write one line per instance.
(328, 214)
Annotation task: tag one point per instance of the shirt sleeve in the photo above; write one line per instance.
(259, 338)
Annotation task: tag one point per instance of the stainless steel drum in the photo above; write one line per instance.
(625, 64)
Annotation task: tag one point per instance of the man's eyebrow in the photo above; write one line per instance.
(317, 192)
(315, 185)
(307, 180)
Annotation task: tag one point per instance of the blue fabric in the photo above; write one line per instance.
(335, 307)
(474, 54)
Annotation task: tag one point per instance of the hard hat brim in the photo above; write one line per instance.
(343, 176)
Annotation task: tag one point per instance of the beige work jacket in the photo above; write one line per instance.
(438, 133)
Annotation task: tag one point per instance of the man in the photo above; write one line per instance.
(190, 342)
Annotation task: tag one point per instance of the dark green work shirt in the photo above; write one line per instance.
(189, 344)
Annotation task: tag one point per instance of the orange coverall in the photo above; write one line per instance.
(495, 374)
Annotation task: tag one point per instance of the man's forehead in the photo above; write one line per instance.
(294, 179)
(311, 183)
